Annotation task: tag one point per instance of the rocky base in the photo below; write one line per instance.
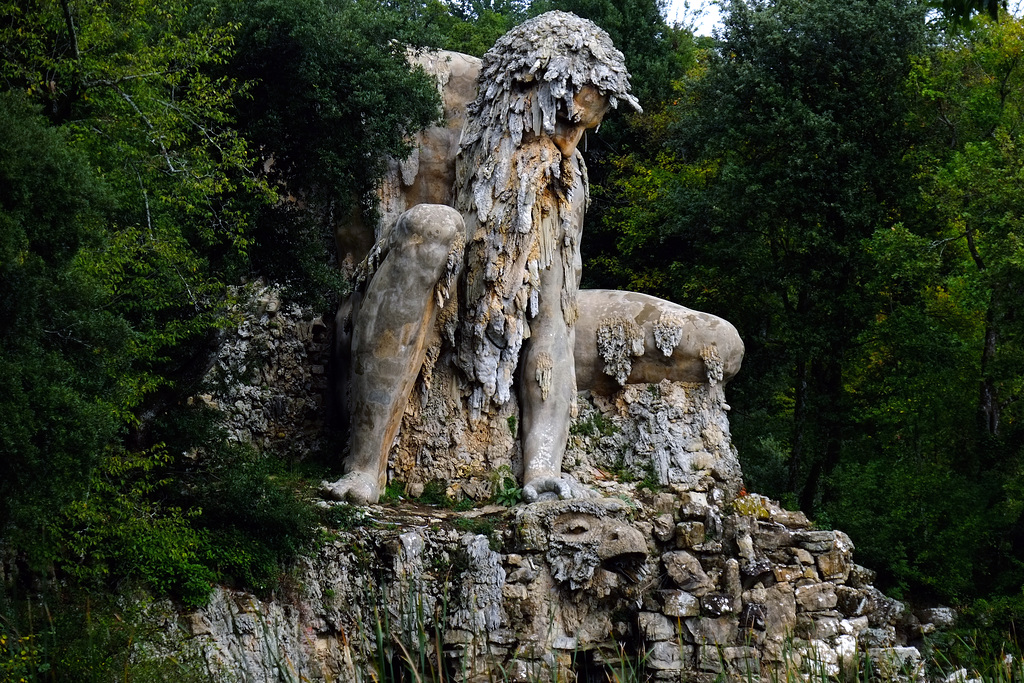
(671, 585)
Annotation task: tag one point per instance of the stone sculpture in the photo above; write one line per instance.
(487, 291)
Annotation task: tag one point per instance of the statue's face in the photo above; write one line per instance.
(590, 106)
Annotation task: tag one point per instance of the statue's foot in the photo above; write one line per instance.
(555, 487)
(355, 487)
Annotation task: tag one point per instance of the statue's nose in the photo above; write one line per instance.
(619, 539)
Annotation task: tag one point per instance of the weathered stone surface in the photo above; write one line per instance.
(897, 663)
(860, 577)
(668, 656)
(716, 605)
(686, 572)
(680, 604)
(940, 617)
(712, 631)
(816, 597)
(656, 626)
(689, 534)
(664, 527)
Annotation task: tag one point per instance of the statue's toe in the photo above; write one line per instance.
(355, 487)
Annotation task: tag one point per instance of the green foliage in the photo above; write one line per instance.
(931, 478)
(124, 215)
(505, 489)
(793, 132)
(258, 517)
(473, 27)
(332, 97)
(59, 347)
(119, 532)
(595, 424)
(343, 516)
(63, 637)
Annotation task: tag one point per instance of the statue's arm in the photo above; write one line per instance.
(631, 338)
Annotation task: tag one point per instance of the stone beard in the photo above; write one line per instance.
(512, 244)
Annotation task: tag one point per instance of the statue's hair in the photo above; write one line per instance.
(554, 56)
(527, 80)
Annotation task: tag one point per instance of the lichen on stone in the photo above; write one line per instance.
(619, 340)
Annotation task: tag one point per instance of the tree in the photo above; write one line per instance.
(798, 121)
(60, 347)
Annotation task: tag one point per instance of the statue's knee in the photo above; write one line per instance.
(431, 224)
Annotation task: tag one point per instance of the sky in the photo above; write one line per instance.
(703, 13)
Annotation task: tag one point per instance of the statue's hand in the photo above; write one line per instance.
(555, 487)
(355, 487)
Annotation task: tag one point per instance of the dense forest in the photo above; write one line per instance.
(842, 181)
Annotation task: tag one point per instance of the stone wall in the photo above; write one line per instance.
(673, 584)
(269, 378)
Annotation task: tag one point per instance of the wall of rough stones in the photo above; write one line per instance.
(269, 378)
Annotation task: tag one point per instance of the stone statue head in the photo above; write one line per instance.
(537, 71)
(582, 536)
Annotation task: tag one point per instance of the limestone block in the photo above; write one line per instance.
(816, 597)
(756, 567)
(870, 602)
(655, 626)
(940, 617)
(834, 565)
(815, 541)
(693, 505)
(680, 603)
(789, 518)
(853, 627)
(802, 556)
(819, 659)
(780, 604)
(897, 663)
(877, 637)
(709, 658)
(753, 615)
(668, 656)
(742, 660)
(689, 534)
(860, 577)
(710, 631)
(816, 627)
(787, 573)
(686, 571)
(664, 527)
(716, 605)
(846, 651)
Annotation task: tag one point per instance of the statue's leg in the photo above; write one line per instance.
(398, 310)
(547, 388)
